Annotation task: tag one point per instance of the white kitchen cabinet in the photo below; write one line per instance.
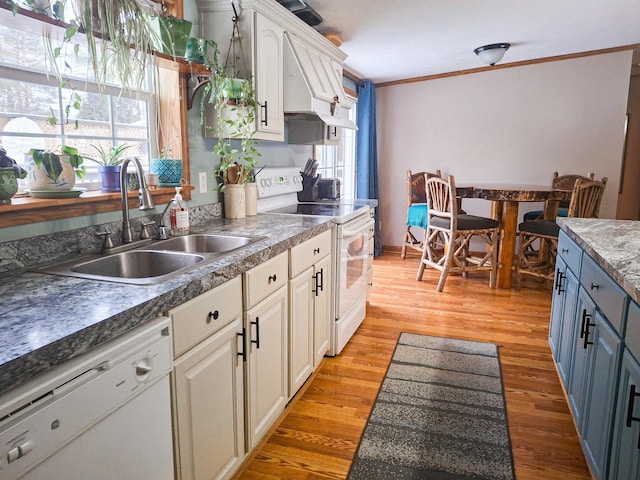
(268, 75)
(263, 48)
(266, 368)
(309, 307)
(208, 377)
(371, 246)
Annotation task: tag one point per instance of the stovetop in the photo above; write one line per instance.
(335, 210)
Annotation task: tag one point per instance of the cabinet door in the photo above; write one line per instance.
(557, 307)
(625, 450)
(580, 354)
(322, 302)
(209, 407)
(603, 345)
(267, 332)
(301, 329)
(566, 332)
(268, 47)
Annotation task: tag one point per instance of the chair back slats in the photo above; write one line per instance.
(439, 196)
(416, 214)
(567, 182)
(586, 198)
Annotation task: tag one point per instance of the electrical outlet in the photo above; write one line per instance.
(203, 182)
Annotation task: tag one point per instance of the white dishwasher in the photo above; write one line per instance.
(103, 415)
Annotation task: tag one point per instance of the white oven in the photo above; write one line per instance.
(351, 265)
(277, 189)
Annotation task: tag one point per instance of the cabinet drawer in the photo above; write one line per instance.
(607, 295)
(195, 320)
(632, 336)
(263, 280)
(570, 252)
(309, 252)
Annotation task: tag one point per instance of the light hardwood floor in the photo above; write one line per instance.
(319, 435)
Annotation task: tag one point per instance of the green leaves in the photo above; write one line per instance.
(52, 164)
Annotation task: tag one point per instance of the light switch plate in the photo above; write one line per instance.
(203, 182)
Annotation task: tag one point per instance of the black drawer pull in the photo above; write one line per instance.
(594, 286)
(565, 250)
(630, 418)
(272, 278)
(316, 251)
(213, 315)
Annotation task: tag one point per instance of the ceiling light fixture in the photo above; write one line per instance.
(492, 54)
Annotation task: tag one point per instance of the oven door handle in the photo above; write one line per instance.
(360, 228)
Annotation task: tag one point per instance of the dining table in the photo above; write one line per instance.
(505, 199)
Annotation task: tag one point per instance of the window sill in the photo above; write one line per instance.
(26, 210)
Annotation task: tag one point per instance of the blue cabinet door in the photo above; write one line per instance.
(625, 448)
(564, 353)
(557, 307)
(580, 356)
(603, 347)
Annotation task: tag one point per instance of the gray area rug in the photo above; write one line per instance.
(440, 414)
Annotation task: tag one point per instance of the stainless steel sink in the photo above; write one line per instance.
(140, 267)
(154, 262)
(205, 243)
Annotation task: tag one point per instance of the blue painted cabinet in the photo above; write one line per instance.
(565, 296)
(625, 449)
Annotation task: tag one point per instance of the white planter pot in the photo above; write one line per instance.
(234, 201)
(38, 180)
(251, 199)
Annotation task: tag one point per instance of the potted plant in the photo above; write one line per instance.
(52, 171)
(109, 161)
(169, 169)
(234, 101)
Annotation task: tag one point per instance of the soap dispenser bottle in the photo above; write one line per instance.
(179, 215)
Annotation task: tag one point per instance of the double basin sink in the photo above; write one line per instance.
(155, 262)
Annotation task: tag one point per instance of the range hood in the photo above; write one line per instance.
(313, 84)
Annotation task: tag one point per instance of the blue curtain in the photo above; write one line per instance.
(367, 152)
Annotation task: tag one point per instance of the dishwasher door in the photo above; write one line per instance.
(109, 418)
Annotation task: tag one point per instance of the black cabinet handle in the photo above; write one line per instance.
(560, 276)
(316, 251)
(586, 326)
(319, 278)
(565, 250)
(272, 278)
(582, 323)
(630, 418)
(265, 120)
(594, 286)
(213, 315)
(257, 324)
(243, 353)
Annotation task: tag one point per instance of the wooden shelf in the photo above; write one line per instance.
(26, 210)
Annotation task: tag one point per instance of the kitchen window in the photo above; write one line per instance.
(36, 112)
(339, 161)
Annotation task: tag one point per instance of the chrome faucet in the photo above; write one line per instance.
(146, 202)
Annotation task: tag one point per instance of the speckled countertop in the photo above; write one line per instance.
(613, 244)
(47, 319)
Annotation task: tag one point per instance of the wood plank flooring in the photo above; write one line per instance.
(319, 435)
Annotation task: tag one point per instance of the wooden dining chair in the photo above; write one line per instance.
(538, 239)
(448, 236)
(560, 182)
(416, 210)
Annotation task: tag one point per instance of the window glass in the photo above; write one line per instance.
(339, 161)
(36, 112)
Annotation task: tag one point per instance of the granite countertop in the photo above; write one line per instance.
(48, 319)
(613, 244)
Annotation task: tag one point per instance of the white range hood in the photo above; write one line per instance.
(313, 84)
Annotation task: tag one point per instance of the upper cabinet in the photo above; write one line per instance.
(294, 68)
(268, 70)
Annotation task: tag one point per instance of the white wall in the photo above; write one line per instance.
(513, 125)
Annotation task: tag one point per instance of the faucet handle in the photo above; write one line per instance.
(108, 242)
(163, 232)
(144, 233)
